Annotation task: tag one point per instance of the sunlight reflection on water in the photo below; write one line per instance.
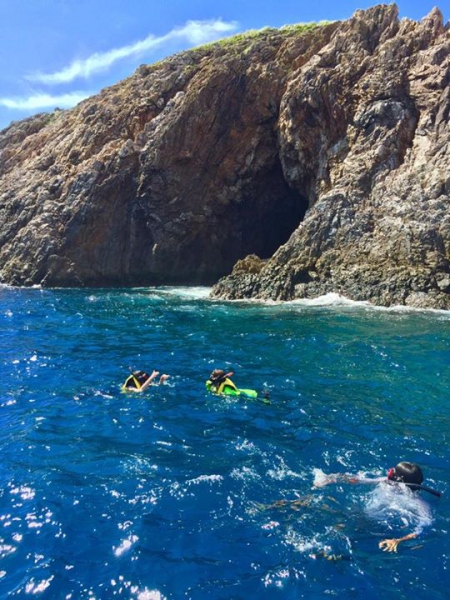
(176, 493)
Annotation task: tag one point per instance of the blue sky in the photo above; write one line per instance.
(54, 53)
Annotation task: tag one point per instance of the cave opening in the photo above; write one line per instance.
(258, 220)
(272, 212)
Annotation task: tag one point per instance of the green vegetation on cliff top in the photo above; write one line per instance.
(241, 41)
(257, 34)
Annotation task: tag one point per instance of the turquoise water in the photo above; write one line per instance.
(170, 494)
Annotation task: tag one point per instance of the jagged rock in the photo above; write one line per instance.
(251, 264)
(168, 177)
(364, 130)
(324, 150)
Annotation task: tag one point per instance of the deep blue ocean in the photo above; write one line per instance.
(177, 494)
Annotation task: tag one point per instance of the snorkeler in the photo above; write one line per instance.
(405, 475)
(139, 381)
(219, 383)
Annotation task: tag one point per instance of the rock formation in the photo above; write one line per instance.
(364, 134)
(320, 153)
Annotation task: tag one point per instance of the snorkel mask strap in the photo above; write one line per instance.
(392, 476)
(424, 488)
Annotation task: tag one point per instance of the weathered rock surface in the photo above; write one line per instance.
(168, 177)
(364, 134)
(325, 152)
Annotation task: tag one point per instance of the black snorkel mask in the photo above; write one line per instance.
(424, 488)
(392, 476)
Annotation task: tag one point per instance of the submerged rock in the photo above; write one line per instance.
(324, 150)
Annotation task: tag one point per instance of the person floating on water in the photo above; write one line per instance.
(139, 381)
(219, 383)
(395, 494)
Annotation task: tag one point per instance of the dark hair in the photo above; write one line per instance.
(217, 375)
(410, 475)
(141, 376)
(407, 472)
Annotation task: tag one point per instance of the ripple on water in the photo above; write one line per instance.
(176, 493)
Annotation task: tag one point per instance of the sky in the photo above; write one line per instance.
(55, 53)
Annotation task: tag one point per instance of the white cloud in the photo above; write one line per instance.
(193, 32)
(39, 101)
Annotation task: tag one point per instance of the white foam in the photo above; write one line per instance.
(6, 549)
(125, 545)
(205, 478)
(282, 472)
(395, 501)
(150, 595)
(331, 299)
(337, 300)
(38, 588)
(25, 492)
(192, 293)
(334, 300)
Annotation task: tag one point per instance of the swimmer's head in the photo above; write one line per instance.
(217, 376)
(141, 376)
(406, 472)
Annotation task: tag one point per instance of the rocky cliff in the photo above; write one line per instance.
(322, 152)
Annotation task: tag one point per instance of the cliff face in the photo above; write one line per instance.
(168, 177)
(323, 151)
(364, 132)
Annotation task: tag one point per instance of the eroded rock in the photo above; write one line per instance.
(324, 150)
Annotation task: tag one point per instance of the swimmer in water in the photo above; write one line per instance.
(219, 383)
(139, 381)
(404, 475)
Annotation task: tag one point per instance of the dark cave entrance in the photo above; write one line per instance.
(269, 214)
(257, 221)
(276, 223)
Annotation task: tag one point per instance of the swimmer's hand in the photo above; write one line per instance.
(389, 545)
(321, 479)
(392, 544)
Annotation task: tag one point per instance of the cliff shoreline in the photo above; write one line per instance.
(308, 160)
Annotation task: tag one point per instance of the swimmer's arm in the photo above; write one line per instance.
(391, 545)
(346, 478)
(359, 479)
(148, 382)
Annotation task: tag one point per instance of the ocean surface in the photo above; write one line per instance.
(177, 494)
